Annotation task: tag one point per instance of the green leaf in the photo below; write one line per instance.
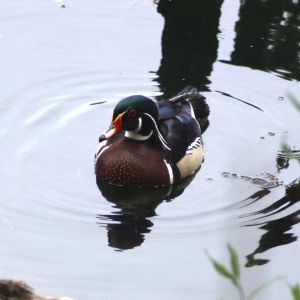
(222, 270)
(295, 290)
(234, 261)
(261, 287)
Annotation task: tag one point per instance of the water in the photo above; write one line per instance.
(60, 234)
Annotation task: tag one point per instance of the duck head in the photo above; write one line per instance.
(138, 116)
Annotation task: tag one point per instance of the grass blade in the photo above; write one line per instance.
(295, 290)
(234, 261)
(221, 269)
(261, 287)
(294, 101)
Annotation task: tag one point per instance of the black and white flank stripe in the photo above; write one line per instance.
(197, 143)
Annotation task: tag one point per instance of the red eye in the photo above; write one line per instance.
(132, 113)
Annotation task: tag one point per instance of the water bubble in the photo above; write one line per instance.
(225, 174)
(209, 178)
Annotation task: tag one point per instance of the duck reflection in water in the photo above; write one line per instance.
(127, 227)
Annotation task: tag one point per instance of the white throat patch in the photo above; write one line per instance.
(136, 136)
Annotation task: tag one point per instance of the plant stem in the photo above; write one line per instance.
(241, 291)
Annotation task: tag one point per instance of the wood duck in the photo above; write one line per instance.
(152, 144)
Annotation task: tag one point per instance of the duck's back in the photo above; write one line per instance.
(179, 127)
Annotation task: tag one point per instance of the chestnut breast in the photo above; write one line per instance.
(132, 163)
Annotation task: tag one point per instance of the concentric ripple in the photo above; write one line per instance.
(63, 70)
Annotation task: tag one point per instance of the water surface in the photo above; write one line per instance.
(59, 233)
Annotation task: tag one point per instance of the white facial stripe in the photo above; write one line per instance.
(134, 134)
(139, 126)
(164, 142)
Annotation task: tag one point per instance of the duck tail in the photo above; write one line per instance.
(198, 103)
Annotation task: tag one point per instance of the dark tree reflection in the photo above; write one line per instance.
(268, 36)
(278, 229)
(189, 43)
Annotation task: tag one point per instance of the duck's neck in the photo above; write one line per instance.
(142, 133)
